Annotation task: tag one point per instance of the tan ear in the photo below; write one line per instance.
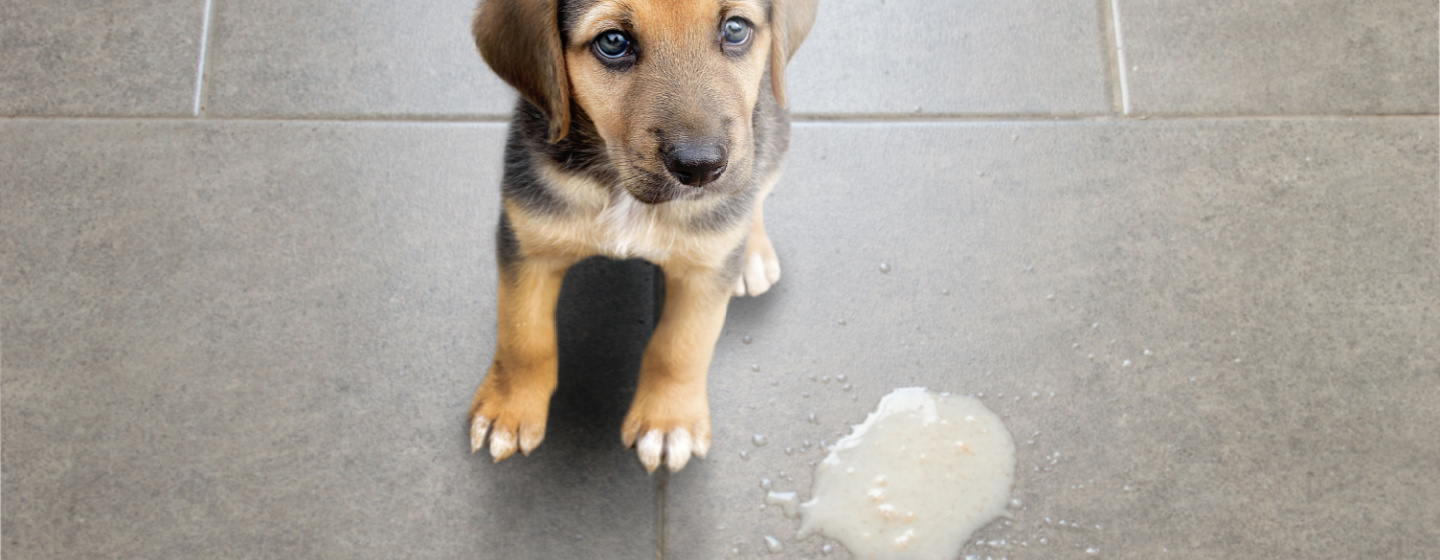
(790, 22)
(520, 40)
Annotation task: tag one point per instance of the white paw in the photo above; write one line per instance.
(674, 448)
(761, 269)
(503, 440)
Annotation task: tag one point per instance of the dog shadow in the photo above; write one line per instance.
(581, 486)
(605, 317)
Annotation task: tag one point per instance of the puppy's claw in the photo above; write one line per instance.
(478, 427)
(649, 448)
(677, 449)
(502, 444)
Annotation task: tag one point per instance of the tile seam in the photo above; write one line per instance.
(1110, 64)
(804, 119)
(660, 483)
(198, 109)
(1121, 70)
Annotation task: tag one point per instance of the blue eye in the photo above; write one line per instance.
(735, 31)
(612, 45)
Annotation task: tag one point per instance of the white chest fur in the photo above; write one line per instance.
(609, 221)
(628, 228)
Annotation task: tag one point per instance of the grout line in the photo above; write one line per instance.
(1120, 62)
(660, 482)
(1110, 64)
(199, 109)
(862, 119)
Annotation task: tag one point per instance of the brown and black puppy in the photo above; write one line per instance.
(648, 129)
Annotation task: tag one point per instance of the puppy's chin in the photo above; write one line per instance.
(655, 188)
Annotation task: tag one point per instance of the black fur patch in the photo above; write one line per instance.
(507, 246)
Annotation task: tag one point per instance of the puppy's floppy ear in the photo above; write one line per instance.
(790, 22)
(520, 40)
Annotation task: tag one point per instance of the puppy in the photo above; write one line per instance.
(649, 129)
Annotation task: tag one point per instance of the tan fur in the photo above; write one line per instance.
(687, 86)
(618, 226)
(684, 62)
(515, 395)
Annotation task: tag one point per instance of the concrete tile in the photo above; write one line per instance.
(1273, 285)
(74, 58)
(244, 339)
(889, 57)
(285, 58)
(1325, 57)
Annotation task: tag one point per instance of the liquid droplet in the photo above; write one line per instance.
(1092, 551)
(827, 549)
(840, 377)
(787, 501)
(766, 484)
(885, 268)
(843, 323)
(773, 545)
(813, 418)
(759, 440)
(754, 367)
(745, 455)
(747, 340)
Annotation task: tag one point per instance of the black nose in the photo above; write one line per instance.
(695, 164)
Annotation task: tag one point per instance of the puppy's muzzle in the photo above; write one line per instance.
(694, 164)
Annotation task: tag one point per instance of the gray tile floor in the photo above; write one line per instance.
(1190, 252)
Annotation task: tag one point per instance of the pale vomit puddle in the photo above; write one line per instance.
(915, 480)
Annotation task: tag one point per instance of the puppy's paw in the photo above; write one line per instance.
(511, 421)
(761, 268)
(662, 433)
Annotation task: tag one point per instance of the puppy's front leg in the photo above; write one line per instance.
(514, 398)
(670, 416)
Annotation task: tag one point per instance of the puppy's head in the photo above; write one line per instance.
(670, 85)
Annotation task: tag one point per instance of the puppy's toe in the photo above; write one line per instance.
(479, 426)
(502, 443)
(650, 448)
(677, 449)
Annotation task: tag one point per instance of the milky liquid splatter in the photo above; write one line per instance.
(915, 480)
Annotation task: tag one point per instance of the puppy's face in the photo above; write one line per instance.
(670, 86)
